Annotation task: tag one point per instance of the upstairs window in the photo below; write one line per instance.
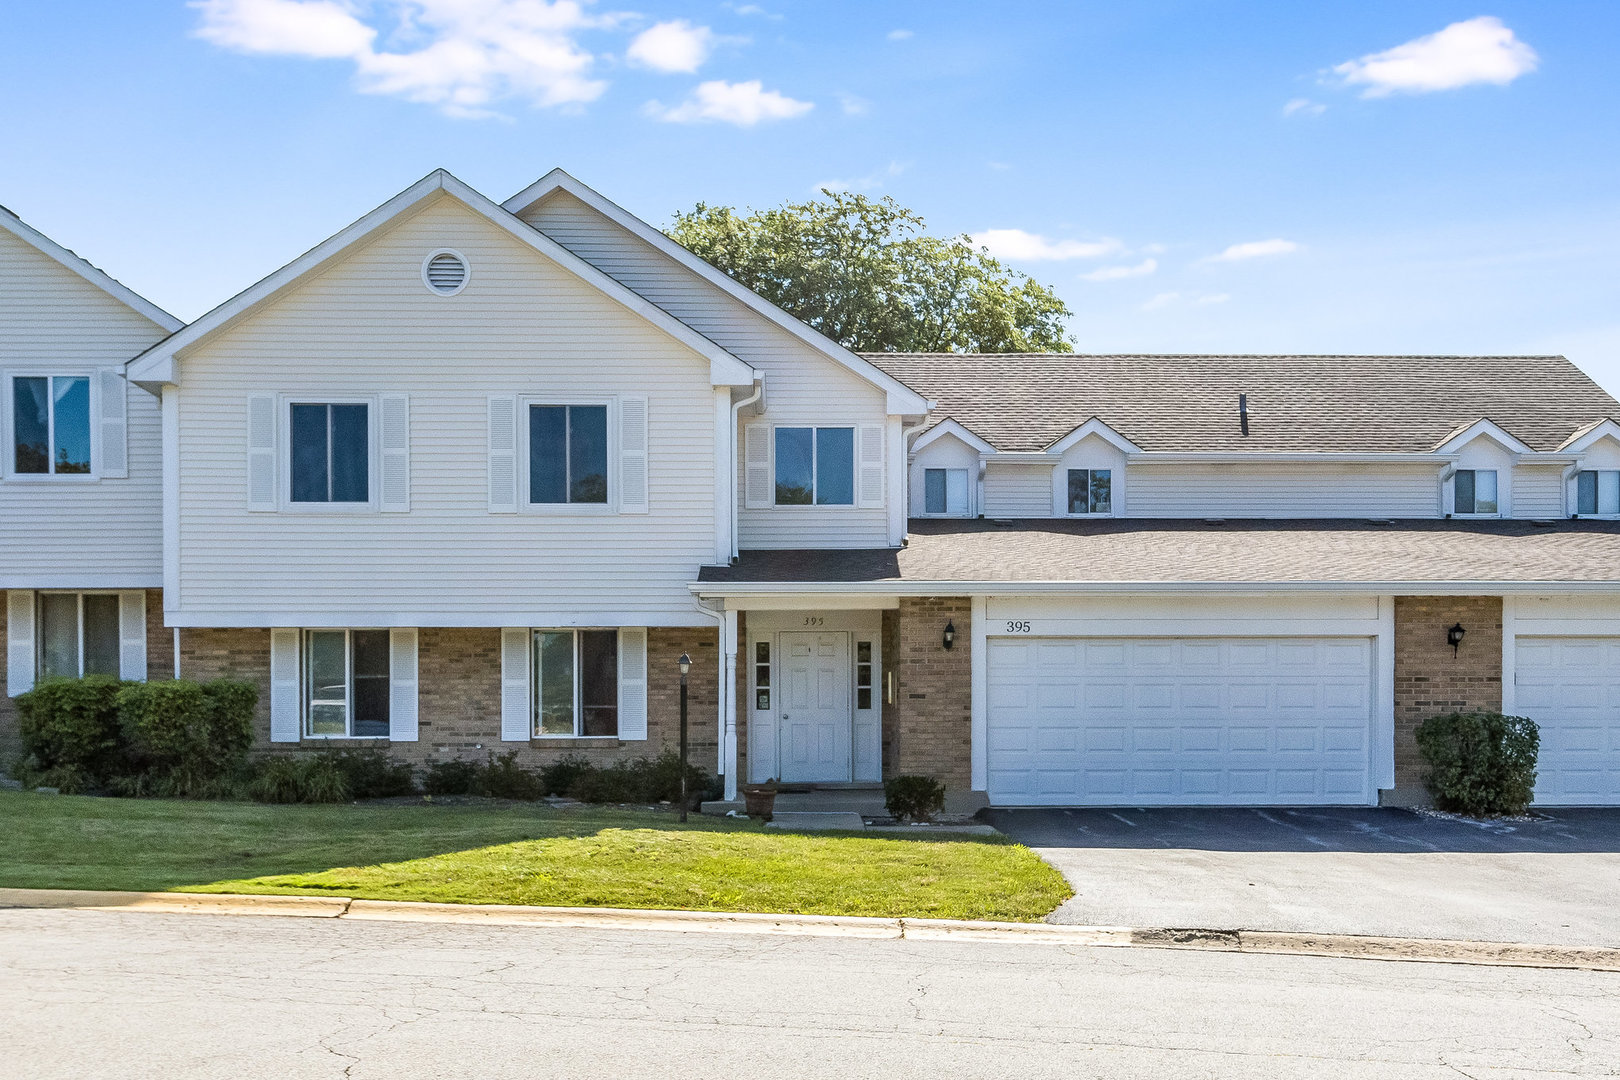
(78, 635)
(1597, 492)
(346, 691)
(1475, 491)
(576, 683)
(568, 454)
(815, 466)
(50, 424)
(1091, 491)
(945, 492)
(331, 453)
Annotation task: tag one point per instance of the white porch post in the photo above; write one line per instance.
(728, 701)
(978, 723)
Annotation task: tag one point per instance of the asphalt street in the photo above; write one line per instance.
(136, 995)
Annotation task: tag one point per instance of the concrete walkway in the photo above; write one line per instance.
(1381, 872)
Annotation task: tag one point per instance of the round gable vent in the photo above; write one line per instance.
(445, 272)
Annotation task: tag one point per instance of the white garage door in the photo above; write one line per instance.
(1195, 721)
(1571, 688)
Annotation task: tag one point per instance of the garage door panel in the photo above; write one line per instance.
(1158, 721)
(1570, 686)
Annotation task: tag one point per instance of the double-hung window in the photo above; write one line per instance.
(78, 635)
(945, 492)
(568, 454)
(346, 683)
(576, 683)
(1091, 491)
(1474, 492)
(1597, 492)
(330, 452)
(815, 466)
(50, 425)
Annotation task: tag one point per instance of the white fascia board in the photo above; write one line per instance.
(156, 367)
(902, 400)
(1591, 433)
(99, 278)
(1021, 457)
(1094, 426)
(816, 591)
(78, 581)
(1488, 428)
(951, 427)
(473, 618)
(1223, 457)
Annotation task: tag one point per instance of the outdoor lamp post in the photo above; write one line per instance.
(685, 663)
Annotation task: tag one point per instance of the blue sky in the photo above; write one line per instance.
(1202, 176)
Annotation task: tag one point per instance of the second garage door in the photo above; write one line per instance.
(1194, 721)
(1570, 686)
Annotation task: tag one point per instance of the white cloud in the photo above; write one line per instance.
(852, 105)
(869, 181)
(463, 56)
(1479, 50)
(1255, 249)
(1304, 107)
(750, 9)
(1115, 273)
(1162, 300)
(744, 104)
(673, 46)
(1021, 246)
(899, 35)
(1213, 298)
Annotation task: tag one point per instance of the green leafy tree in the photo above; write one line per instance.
(863, 272)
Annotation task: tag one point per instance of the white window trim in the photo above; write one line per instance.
(8, 420)
(1575, 497)
(967, 512)
(1494, 515)
(615, 488)
(854, 469)
(306, 675)
(39, 624)
(284, 452)
(579, 713)
(1065, 470)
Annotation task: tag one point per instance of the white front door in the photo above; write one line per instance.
(814, 733)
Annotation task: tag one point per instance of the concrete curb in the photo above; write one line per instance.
(1343, 946)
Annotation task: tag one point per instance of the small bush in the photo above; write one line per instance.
(372, 774)
(503, 778)
(1480, 763)
(72, 724)
(455, 777)
(640, 780)
(913, 798)
(557, 777)
(185, 738)
(283, 778)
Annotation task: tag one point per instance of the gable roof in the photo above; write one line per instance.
(156, 365)
(131, 299)
(903, 399)
(1351, 404)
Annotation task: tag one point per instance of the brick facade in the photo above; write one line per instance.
(1429, 680)
(930, 729)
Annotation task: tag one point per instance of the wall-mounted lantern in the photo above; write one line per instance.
(1454, 637)
(950, 634)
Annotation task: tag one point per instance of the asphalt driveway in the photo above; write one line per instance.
(1554, 880)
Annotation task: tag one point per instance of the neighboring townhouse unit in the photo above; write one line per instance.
(470, 477)
(81, 535)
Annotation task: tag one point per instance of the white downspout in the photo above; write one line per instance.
(731, 481)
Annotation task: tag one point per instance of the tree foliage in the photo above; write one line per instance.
(863, 272)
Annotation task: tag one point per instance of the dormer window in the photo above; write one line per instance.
(1091, 491)
(1475, 492)
(1597, 493)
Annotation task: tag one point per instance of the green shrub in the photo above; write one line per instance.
(185, 738)
(557, 777)
(372, 774)
(1480, 763)
(73, 724)
(455, 777)
(503, 778)
(641, 780)
(284, 778)
(913, 798)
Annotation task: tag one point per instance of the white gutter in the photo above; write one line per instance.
(731, 483)
(1213, 457)
(1022, 588)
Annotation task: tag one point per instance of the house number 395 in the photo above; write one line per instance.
(1019, 627)
(813, 620)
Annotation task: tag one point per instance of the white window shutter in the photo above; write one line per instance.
(632, 455)
(869, 467)
(285, 688)
(132, 635)
(19, 642)
(758, 483)
(633, 684)
(402, 684)
(396, 453)
(503, 444)
(112, 404)
(517, 720)
(261, 456)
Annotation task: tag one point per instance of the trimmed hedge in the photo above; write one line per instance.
(1480, 763)
(913, 798)
(70, 726)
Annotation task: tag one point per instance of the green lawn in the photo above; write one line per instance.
(520, 855)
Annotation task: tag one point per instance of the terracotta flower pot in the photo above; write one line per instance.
(759, 800)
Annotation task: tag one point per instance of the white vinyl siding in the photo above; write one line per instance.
(56, 535)
(1283, 491)
(1018, 491)
(804, 387)
(1538, 492)
(521, 327)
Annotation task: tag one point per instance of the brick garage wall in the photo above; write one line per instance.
(459, 686)
(931, 731)
(1430, 681)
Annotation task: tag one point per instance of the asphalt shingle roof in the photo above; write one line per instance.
(1170, 551)
(1027, 401)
